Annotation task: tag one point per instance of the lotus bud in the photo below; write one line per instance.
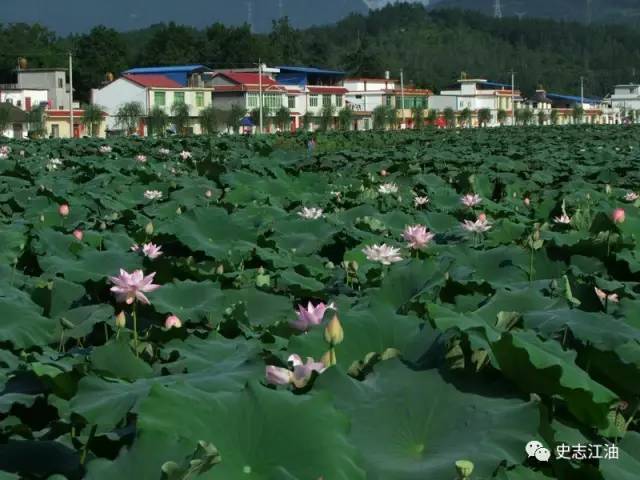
(103, 226)
(149, 229)
(333, 333)
(527, 201)
(384, 173)
(607, 189)
(330, 266)
(354, 266)
(618, 215)
(220, 269)
(172, 322)
(121, 320)
(179, 211)
(208, 194)
(78, 234)
(63, 210)
(42, 218)
(464, 469)
(482, 217)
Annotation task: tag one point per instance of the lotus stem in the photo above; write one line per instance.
(135, 329)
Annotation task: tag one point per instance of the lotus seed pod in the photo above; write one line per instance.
(464, 469)
(334, 334)
(121, 320)
(149, 229)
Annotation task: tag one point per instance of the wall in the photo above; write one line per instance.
(440, 102)
(19, 97)
(47, 79)
(115, 94)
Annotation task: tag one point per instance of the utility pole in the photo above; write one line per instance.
(402, 94)
(582, 92)
(71, 93)
(497, 9)
(513, 98)
(260, 94)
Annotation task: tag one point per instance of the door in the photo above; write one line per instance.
(76, 130)
(27, 104)
(17, 130)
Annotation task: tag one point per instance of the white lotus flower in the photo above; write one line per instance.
(384, 254)
(184, 155)
(471, 200)
(420, 201)
(563, 219)
(153, 195)
(164, 151)
(104, 149)
(311, 213)
(53, 164)
(631, 197)
(388, 188)
(481, 225)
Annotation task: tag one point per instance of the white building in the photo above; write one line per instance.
(477, 94)
(150, 90)
(54, 80)
(625, 99)
(25, 99)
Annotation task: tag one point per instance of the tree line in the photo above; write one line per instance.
(431, 47)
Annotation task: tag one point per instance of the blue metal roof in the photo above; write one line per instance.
(572, 98)
(498, 84)
(311, 70)
(170, 69)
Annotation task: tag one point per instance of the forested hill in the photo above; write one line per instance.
(432, 47)
(599, 11)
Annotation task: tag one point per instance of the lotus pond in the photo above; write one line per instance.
(396, 306)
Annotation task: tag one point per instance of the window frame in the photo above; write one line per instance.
(313, 100)
(159, 94)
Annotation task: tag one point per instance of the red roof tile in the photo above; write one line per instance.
(248, 78)
(157, 81)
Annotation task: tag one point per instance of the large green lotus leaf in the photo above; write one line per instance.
(520, 473)
(298, 284)
(628, 464)
(366, 330)
(92, 265)
(619, 368)
(517, 300)
(40, 459)
(105, 402)
(603, 331)
(501, 266)
(12, 241)
(22, 323)
(411, 425)
(57, 295)
(262, 308)
(84, 319)
(212, 231)
(505, 232)
(190, 301)
(409, 280)
(543, 367)
(304, 237)
(115, 359)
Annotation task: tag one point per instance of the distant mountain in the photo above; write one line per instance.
(71, 16)
(599, 11)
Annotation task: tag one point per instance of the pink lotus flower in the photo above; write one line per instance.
(527, 201)
(384, 173)
(129, 287)
(172, 322)
(417, 236)
(151, 251)
(4, 152)
(384, 254)
(64, 210)
(141, 158)
(300, 375)
(184, 155)
(482, 217)
(78, 234)
(481, 225)
(310, 316)
(471, 200)
(563, 219)
(618, 215)
(604, 296)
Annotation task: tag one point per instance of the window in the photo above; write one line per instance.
(326, 100)
(272, 101)
(19, 103)
(55, 130)
(388, 99)
(252, 100)
(178, 97)
(159, 99)
(338, 100)
(291, 101)
(200, 99)
(60, 83)
(313, 101)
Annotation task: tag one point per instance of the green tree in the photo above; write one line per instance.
(180, 116)
(484, 117)
(326, 117)
(208, 118)
(307, 118)
(5, 117)
(417, 114)
(542, 117)
(554, 117)
(283, 118)
(285, 42)
(128, 116)
(577, 113)
(432, 116)
(380, 117)
(465, 117)
(101, 51)
(393, 120)
(450, 117)
(234, 117)
(345, 118)
(158, 121)
(36, 122)
(172, 44)
(502, 117)
(92, 117)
